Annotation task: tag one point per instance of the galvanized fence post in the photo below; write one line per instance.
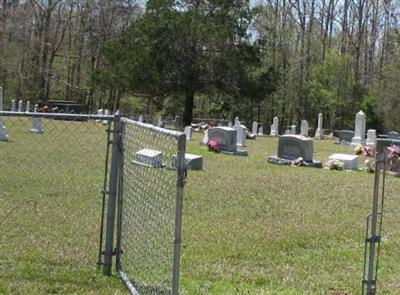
(178, 212)
(120, 197)
(112, 194)
(375, 220)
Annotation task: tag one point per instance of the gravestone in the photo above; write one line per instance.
(188, 132)
(345, 136)
(261, 131)
(178, 123)
(230, 124)
(275, 127)
(20, 106)
(13, 105)
(393, 135)
(100, 112)
(192, 161)
(28, 106)
(3, 129)
(293, 147)
(240, 132)
(226, 136)
(254, 127)
(371, 137)
(293, 130)
(319, 132)
(150, 158)
(106, 113)
(205, 138)
(36, 125)
(140, 119)
(350, 161)
(220, 124)
(160, 122)
(304, 128)
(359, 131)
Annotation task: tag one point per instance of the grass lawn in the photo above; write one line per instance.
(249, 227)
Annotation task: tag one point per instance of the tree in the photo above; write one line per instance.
(183, 49)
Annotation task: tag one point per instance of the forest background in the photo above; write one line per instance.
(208, 58)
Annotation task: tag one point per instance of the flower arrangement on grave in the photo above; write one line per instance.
(366, 151)
(333, 165)
(393, 160)
(358, 150)
(214, 145)
(298, 162)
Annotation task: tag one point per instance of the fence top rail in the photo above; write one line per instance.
(56, 115)
(154, 128)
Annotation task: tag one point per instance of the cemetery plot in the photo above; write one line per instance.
(51, 202)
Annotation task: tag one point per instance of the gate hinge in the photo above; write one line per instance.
(115, 252)
(373, 239)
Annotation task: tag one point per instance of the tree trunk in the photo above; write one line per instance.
(189, 104)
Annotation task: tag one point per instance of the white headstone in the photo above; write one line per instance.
(13, 105)
(100, 112)
(205, 137)
(350, 161)
(371, 137)
(141, 118)
(240, 132)
(20, 106)
(293, 130)
(188, 132)
(319, 132)
(261, 131)
(106, 113)
(359, 131)
(230, 124)
(304, 128)
(28, 106)
(3, 130)
(149, 157)
(220, 124)
(275, 127)
(36, 125)
(159, 122)
(254, 127)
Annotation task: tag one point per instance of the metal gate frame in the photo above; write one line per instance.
(373, 233)
(115, 202)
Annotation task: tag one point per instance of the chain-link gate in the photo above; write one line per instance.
(51, 177)
(150, 162)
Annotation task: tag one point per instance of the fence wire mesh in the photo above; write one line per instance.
(151, 206)
(50, 194)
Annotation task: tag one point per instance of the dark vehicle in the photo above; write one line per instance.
(64, 107)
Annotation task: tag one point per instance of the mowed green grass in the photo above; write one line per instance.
(249, 227)
(50, 209)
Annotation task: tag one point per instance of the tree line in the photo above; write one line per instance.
(209, 58)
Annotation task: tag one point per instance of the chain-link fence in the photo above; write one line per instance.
(150, 207)
(52, 174)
